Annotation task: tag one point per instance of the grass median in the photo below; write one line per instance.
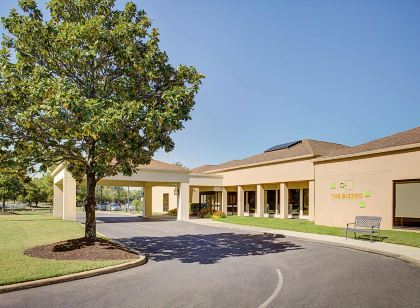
(22, 231)
(389, 236)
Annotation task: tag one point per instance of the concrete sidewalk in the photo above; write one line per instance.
(405, 253)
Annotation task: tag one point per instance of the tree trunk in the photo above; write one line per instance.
(90, 225)
(4, 205)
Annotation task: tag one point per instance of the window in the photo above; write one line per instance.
(305, 201)
(294, 202)
(165, 202)
(271, 202)
(407, 204)
(250, 201)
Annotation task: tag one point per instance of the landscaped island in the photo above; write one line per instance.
(24, 236)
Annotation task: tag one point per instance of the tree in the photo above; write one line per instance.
(89, 88)
(138, 206)
(34, 193)
(37, 190)
(10, 188)
(46, 183)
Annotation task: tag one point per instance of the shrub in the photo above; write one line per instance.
(173, 212)
(218, 214)
(206, 212)
(195, 208)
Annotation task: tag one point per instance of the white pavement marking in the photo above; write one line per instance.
(275, 292)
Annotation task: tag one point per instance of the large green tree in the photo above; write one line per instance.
(90, 88)
(38, 190)
(11, 187)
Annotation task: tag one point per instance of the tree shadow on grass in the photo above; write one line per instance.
(207, 248)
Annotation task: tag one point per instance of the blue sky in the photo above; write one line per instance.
(277, 71)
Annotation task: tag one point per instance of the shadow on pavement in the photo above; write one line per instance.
(207, 248)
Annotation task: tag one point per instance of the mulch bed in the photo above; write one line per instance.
(79, 249)
(5, 213)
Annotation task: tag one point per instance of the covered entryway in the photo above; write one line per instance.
(156, 174)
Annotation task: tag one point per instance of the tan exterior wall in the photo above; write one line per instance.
(290, 171)
(367, 185)
(157, 198)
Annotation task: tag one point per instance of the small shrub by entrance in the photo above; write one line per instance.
(195, 208)
(173, 212)
(218, 214)
(206, 212)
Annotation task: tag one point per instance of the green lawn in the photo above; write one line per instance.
(395, 237)
(21, 231)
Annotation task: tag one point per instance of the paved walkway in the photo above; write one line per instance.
(407, 253)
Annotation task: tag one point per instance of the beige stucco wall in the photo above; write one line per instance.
(290, 171)
(157, 198)
(371, 175)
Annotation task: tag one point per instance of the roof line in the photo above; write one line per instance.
(187, 171)
(268, 162)
(206, 175)
(370, 152)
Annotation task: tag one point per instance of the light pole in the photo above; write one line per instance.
(101, 187)
(128, 198)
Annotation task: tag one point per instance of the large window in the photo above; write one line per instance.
(407, 203)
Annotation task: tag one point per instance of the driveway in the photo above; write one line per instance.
(192, 265)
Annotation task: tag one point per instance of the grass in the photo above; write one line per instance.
(388, 236)
(24, 230)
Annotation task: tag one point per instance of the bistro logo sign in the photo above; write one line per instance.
(344, 193)
(344, 196)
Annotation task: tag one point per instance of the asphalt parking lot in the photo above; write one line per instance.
(193, 265)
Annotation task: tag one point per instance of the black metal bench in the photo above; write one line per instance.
(365, 224)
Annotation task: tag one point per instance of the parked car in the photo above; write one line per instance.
(114, 207)
(101, 207)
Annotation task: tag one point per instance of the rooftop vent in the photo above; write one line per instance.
(283, 146)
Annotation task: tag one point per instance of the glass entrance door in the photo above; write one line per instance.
(211, 200)
(232, 203)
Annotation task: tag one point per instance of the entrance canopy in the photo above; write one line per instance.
(157, 173)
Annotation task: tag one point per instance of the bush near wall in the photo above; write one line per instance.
(173, 212)
(195, 208)
(206, 212)
(218, 214)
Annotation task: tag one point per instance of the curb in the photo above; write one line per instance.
(369, 250)
(76, 276)
(403, 258)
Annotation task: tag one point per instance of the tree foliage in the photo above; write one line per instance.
(38, 190)
(11, 186)
(89, 88)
